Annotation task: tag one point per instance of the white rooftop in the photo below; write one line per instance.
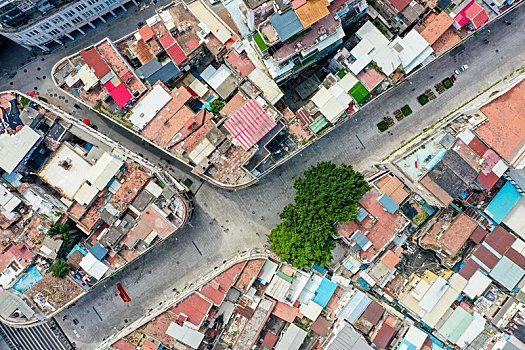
(267, 85)
(65, 171)
(207, 17)
(415, 336)
(185, 335)
(8, 202)
(14, 148)
(147, 109)
(329, 105)
(93, 266)
(103, 171)
(292, 338)
(477, 284)
(436, 291)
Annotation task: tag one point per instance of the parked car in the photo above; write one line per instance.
(461, 69)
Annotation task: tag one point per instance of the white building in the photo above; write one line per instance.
(37, 26)
(16, 149)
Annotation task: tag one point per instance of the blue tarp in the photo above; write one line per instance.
(98, 251)
(324, 292)
(503, 202)
(319, 269)
(287, 24)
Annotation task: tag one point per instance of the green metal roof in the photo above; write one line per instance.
(319, 123)
(285, 277)
(456, 325)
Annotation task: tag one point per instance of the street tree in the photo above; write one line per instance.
(59, 229)
(216, 106)
(60, 268)
(325, 194)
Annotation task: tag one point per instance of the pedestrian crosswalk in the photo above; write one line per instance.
(46, 336)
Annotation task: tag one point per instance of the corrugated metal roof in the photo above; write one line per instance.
(249, 124)
(388, 203)
(383, 337)
(355, 307)
(348, 339)
(324, 292)
(292, 338)
(455, 325)
(164, 74)
(373, 312)
(503, 202)
(287, 24)
(436, 291)
(507, 273)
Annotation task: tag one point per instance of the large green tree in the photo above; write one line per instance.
(325, 194)
(60, 268)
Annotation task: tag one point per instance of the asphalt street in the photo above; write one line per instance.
(152, 278)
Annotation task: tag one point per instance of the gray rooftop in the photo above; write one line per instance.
(453, 174)
(287, 24)
(348, 339)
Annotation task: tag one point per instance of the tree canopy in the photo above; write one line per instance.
(59, 229)
(326, 194)
(60, 268)
(216, 106)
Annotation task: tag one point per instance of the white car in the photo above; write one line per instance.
(461, 69)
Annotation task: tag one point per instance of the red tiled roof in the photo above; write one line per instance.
(478, 235)
(249, 124)
(504, 129)
(18, 252)
(285, 312)
(146, 33)
(500, 239)
(147, 345)
(176, 54)
(95, 61)
(457, 234)
(233, 105)
(383, 337)
(119, 93)
(400, 4)
(167, 40)
(373, 312)
(321, 326)
(228, 277)
(194, 307)
(249, 274)
(125, 74)
(269, 341)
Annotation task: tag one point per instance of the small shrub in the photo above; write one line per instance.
(60, 269)
(422, 99)
(24, 101)
(382, 126)
(447, 83)
(406, 110)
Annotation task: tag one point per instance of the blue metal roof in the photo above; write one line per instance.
(324, 292)
(360, 240)
(287, 24)
(148, 68)
(503, 202)
(320, 269)
(361, 214)
(406, 345)
(388, 203)
(355, 307)
(507, 273)
(98, 251)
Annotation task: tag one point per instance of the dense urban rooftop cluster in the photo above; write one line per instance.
(435, 258)
(70, 198)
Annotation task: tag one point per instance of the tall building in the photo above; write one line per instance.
(36, 23)
(292, 35)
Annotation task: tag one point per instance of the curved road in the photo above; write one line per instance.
(206, 243)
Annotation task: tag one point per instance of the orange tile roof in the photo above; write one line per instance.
(312, 12)
(158, 327)
(135, 179)
(286, 312)
(504, 130)
(146, 33)
(394, 188)
(391, 259)
(234, 104)
(249, 274)
(457, 234)
(437, 27)
(437, 191)
(147, 345)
